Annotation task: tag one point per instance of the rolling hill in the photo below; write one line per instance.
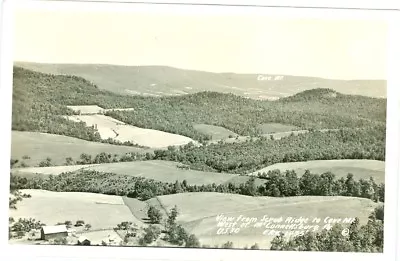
(100, 211)
(165, 81)
(359, 168)
(163, 171)
(34, 147)
(198, 213)
(39, 101)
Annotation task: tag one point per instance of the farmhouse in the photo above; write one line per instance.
(52, 232)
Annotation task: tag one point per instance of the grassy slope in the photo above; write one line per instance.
(267, 128)
(164, 171)
(216, 132)
(360, 168)
(39, 146)
(101, 211)
(161, 81)
(198, 212)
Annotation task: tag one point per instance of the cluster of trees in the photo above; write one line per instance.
(16, 197)
(363, 143)
(85, 159)
(154, 215)
(243, 116)
(365, 238)
(22, 226)
(40, 99)
(173, 233)
(288, 184)
(276, 184)
(34, 108)
(105, 157)
(176, 234)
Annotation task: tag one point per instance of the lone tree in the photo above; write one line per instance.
(154, 215)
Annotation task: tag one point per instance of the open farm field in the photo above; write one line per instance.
(94, 109)
(111, 128)
(216, 132)
(39, 146)
(198, 213)
(159, 170)
(100, 211)
(86, 109)
(54, 170)
(275, 136)
(359, 168)
(268, 128)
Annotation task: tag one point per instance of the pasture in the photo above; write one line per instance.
(198, 213)
(39, 146)
(100, 211)
(53, 170)
(86, 109)
(360, 168)
(109, 127)
(94, 109)
(164, 171)
(167, 171)
(216, 132)
(272, 127)
(276, 136)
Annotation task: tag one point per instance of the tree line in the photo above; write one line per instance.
(250, 156)
(276, 184)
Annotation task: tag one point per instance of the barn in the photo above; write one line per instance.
(53, 232)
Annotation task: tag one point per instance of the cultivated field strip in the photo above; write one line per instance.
(359, 168)
(34, 147)
(164, 171)
(110, 128)
(101, 211)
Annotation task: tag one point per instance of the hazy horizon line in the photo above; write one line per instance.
(204, 71)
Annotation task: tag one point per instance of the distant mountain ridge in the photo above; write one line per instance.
(168, 81)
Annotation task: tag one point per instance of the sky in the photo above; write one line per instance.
(239, 43)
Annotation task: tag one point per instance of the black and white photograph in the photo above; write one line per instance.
(202, 128)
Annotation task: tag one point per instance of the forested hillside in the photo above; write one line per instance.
(166, 81)
(38, 98)
(365, 143)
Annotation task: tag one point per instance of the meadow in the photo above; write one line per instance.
(359, 168)
(215, 132)
(34, 147)
(66, 120)
(100, 211)
(110, 128)
(164, 171)
(198, 213)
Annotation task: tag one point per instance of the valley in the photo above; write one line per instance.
(84, 152)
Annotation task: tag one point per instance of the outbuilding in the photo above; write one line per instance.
(53, 232)
(83, 241)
